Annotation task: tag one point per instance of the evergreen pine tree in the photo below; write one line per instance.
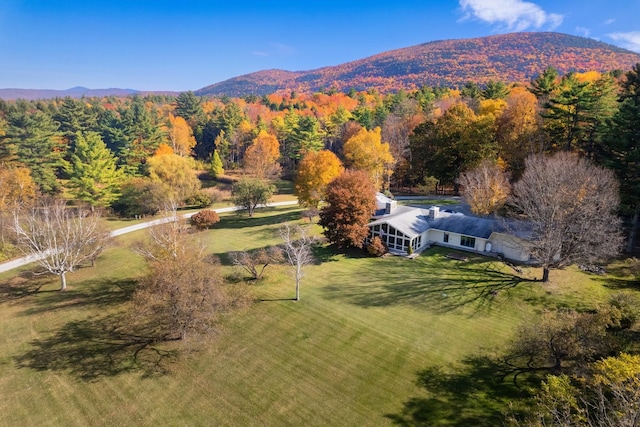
(92, 168)
(216, 165)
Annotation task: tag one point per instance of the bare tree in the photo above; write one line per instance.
(570, 205)
(297, 247)
(179, 296)
(256, 262)
(485, 188)
(60, 238)
(183, 292)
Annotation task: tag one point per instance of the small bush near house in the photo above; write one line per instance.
(376, 247)
(204, 219)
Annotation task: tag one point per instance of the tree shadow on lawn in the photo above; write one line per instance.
(90, 349)
(397, 283)
(477, 394)
(24, 285)
(97, 293)
(263, 217)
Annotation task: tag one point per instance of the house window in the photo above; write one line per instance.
(469, 242)
(446, 238)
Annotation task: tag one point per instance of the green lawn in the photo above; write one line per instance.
(372, 342)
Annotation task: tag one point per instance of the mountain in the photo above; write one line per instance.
(516, 57)
(74, 92)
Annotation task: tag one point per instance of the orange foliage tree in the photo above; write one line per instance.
(261, 158)
(315, 171)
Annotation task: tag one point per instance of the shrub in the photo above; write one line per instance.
(204, 219)
(376, 247)
(624, 310)
(199, 200)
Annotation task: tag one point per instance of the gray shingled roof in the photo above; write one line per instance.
(467, 225)
(410, 221)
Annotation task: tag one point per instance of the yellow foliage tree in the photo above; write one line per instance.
(261, 158)
(176, 175)
(365, 151)
(492, 106)
(181, 135)
(486, 187)
(16, 186)
(315, 171)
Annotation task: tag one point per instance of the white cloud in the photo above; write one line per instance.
(609, 21)
(584, 32)
(630, 40)
(275, 49)
(513, 15)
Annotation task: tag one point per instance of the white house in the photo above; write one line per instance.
(401, 227)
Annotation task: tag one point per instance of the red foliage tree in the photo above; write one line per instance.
(351, 199)
(204, 219)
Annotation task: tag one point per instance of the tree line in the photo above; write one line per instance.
(131, 154)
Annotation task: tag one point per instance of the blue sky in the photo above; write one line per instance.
(188, 44)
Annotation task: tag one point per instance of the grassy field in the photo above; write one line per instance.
(372, 341)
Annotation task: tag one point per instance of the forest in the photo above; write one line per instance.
(132, 154)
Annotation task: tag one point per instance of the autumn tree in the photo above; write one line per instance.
(60, 239)
(180, 135)
(519, 130)
(183, 292)
(94, 177)
(16, 187)
(315, 171)
(249, 193)
(141, 196)
(608, 394)
(297, 247)
(261, 158)
(204, 219)
(351, 201)
(180, 296)
(570, 205)
(365, 151)
(176, 174)
(17, 190)
(452, 143)
(485, 188)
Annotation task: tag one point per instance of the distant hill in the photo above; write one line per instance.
(75, 92)
(516, 57)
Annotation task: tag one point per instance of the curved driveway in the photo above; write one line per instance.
(19, 262)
